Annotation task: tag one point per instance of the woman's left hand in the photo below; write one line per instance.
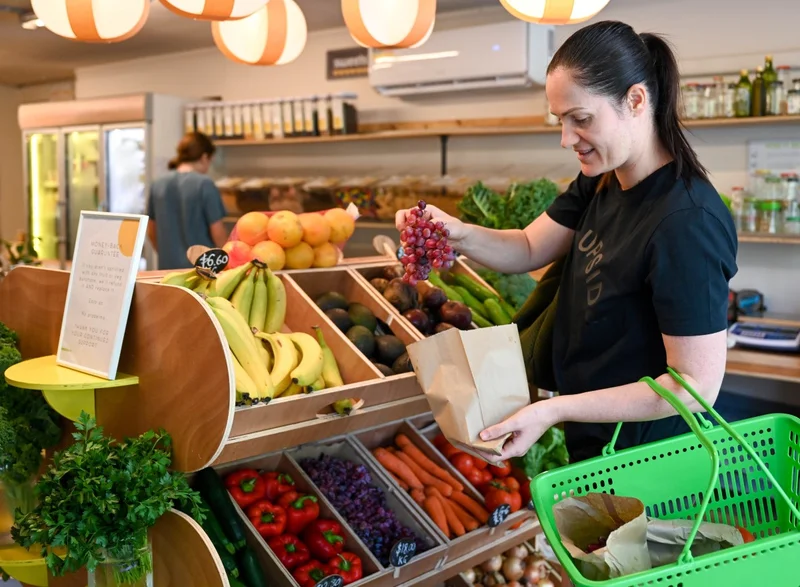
(526, 427)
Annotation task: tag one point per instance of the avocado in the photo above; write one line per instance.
(331, 300)
(388, 348)
(384, 369)
(379, 283)
(362, 316)
(341, 318)
(363, 339)
(402, 364)
(401, 295)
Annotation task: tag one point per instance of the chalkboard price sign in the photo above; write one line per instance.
(402, 552)
(331, 581)
(215, 260)
(499, 515)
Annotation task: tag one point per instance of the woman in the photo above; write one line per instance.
(185, 206)
(648, 247)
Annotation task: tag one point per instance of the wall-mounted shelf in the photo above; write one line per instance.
(481, 127)
(766, 238)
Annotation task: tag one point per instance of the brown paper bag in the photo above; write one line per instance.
(473, 379)
(666, 539)
(621, 521)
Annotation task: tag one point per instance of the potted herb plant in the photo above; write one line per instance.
(98, 499)
(28, 426)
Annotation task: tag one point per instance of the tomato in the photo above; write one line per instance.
(511, 483)
(449, 451)
(481, 464)
(474, 477)
(463, 463)
(499, 495)
(440, 441)
(502, 471)
(747, 536)
(487, 477)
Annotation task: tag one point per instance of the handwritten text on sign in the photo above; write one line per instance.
(107, 253)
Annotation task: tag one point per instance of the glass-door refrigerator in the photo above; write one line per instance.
(99, 154)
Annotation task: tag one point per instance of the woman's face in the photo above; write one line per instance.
(602, 137)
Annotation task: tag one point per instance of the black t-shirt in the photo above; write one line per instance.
(655, 259)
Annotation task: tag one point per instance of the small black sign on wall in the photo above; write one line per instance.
(347, 63)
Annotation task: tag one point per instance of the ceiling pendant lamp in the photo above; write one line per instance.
(93, 21)
(274, 35)
(389, 24)
(554, 11)
(214, 9)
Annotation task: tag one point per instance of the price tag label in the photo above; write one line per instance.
(214, 260)
(402, 552)
(331, 581)
(499, 515)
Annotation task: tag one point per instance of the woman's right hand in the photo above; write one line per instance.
(458, 230)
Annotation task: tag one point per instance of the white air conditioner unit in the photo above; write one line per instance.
(511, 54)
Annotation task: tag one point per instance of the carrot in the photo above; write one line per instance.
(403, 485)
(398, 467)
(411, 450)
(435, 510)
(472, 506)
(452, 519)
(469, 522)
(418, 495)
(422, 475)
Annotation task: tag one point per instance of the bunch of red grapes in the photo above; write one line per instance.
(424, 244)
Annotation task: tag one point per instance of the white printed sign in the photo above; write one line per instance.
(780, 156)
(107, 254)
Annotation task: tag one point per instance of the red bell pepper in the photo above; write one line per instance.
(300, 513)
(311, 573)
(348, 566)
(277, 484)
(499, 494)
(324, 539)
(502, 471)
(290, 550)
(269, 519)
(288, 497)
(245, 486)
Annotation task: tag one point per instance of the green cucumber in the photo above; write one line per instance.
(209, 484)
(215, 533)
(228, 562)
(471, 301)
(476, 289)
(480, 321)
(496, 313)
(507, 308)
(250, 571)
(235, 582)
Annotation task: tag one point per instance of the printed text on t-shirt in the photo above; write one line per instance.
(590, 245)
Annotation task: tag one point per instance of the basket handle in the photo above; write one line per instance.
(697, 428)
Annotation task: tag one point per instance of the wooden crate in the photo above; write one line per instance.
(275, 572)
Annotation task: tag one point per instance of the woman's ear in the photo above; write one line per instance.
(637, 99)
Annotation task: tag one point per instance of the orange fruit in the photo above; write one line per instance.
(252, 228)
(342, 225)
(315, 230)
(285, 229)
(326, 255)
(300, 256)
(270, 253)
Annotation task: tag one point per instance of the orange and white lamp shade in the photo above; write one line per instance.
(214, 9)
(93, 21)
(275, 34)
(389, 24)
(554, 11)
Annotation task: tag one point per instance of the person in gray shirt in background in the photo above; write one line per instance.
(185, 206)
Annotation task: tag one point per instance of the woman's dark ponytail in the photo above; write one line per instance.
(608, 57)
(666, 87)
(192, 148)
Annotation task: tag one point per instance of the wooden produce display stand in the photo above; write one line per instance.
(179, 376)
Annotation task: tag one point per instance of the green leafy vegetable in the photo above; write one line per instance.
(549, 452)
(482, 205)
(99, 497)
(517, 208)
(513, 288)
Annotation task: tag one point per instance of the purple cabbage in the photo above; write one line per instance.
(348, 486)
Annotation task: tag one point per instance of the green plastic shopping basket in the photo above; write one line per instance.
(754, 483)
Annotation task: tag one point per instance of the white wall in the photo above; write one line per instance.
(704, 33)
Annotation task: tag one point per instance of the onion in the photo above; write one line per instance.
(469, 576)
(514, 584)
(493, 565)
(513, 569)
(517, 552)
(545, 583)
(531, 574)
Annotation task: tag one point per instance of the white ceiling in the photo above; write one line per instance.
(31, 57)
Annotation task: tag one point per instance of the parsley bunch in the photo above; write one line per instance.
(98, 499)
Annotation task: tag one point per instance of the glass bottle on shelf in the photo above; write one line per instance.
(691, 101)
(749, 221)
(737, 207)
(769, 216)
(719, 93)
(793, 102)
(744, 90)
(785, 77)
(770, 74)
(758, 97)
(775, 98)
(729, 101)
